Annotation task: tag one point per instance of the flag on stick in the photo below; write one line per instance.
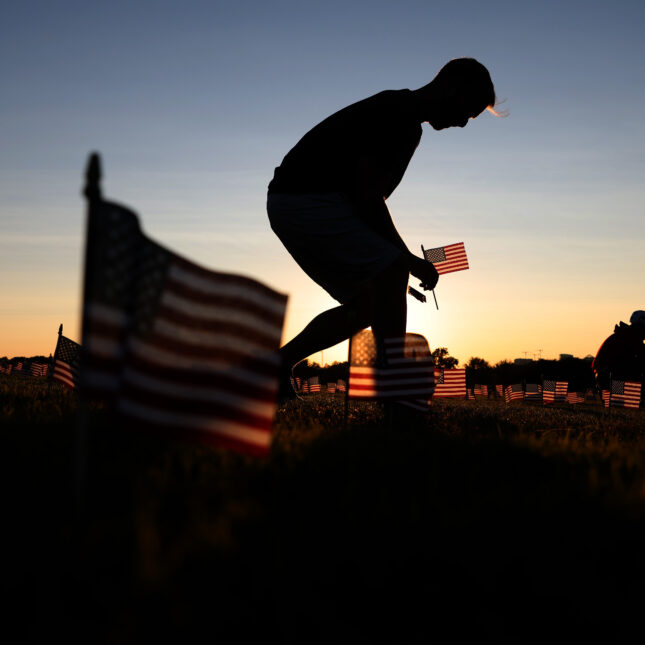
(405, 371)
(575, 397)
(171, 346)
(533, 392)
(450, 383)
(513, 392)
(447, 259)
(625, 394)
(554, 391)
(561, 388)
(38, 369)
(66, 361)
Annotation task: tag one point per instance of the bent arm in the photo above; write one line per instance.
(372, 181)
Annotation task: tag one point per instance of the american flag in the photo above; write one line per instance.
(548, 392)
(174, 347)
(513, 392)
(17, 367)
(450, 383)
(499, 389)
(314, 384)
(606, 395)
(331, 388)
(625, 394)
(481, 390)
(66, 362)
(470, 394)
(305, 386)
(38, 369)
(575, 397)
(561, 388)
(404, 373)
(447, 259)
(6, 369)
(533, 392)
(341, 386)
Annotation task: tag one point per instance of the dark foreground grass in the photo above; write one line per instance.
(486, 522)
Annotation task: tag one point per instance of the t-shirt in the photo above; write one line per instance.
(384, 126)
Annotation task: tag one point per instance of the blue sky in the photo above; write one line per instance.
(192, 104)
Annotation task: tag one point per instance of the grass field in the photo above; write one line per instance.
(486, 521)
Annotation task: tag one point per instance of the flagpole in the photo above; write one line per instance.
(53, 361)
(423, 252)
(349, 366)
(92, 193)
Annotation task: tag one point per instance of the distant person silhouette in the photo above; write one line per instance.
(326, 203)
(622, 354)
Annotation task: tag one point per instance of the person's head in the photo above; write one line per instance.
(637, 321)
(461, 90)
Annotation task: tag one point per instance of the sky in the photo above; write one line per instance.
(192, 104)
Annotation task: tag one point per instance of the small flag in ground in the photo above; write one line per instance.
(575, 397)
(561, 388)
(447, 259)
(625, 394)
(514, 392)
(499, 390)
(450, 383)
(66, 362)
(470, 394)
(331, 388)
(6, 369)
(174, 347)
(606, 395)
(341, 386)
(38, 369)
(305, 386)
(533, 392)
(404, 373)
(314, 384)
(481, 390)
(548, 392)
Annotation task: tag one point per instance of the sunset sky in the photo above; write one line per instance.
(192, 104)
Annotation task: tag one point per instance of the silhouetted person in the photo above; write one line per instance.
(622, 355)
(326, 203)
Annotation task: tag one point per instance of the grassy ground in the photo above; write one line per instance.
(494, 522)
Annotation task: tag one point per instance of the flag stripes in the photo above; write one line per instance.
(66, 362)
(173, 346)
(447, 259)
(625, 394)
(450, 383)
(404, 372)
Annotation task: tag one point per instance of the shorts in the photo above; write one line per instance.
(331, 244)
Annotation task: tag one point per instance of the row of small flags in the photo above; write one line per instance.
(23, 369)
(451, 383)
(312, 385)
